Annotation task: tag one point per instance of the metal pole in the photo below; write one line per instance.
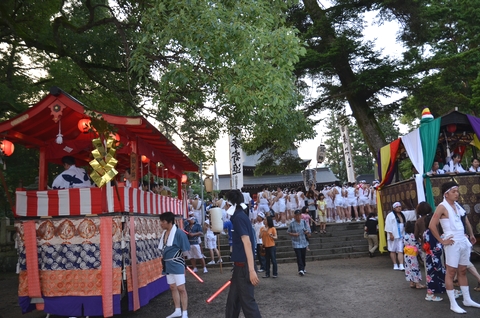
(201, 185)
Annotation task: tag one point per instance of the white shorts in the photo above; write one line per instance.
(352, 201)
(396, 245)
(263, 208)
(322, 218)
(177, 279)
(363, 201)
(210, 242)
(194, 252)
(458, 253)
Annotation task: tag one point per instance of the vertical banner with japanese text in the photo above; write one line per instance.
(347, 151)
(236, 163)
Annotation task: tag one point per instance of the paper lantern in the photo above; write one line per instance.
(451, 128)
(115, 136)
(216, 219)
(7, 147)
(208, 184)
(84, 125)
(145, 159)
(184, 178)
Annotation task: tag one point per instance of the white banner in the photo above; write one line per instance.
(347, 151)
(236, 163)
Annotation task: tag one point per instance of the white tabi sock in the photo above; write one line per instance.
(176, 313)
(453, 303)
(467, 300)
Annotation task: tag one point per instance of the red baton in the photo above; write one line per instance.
(195, 275)
(209, 300)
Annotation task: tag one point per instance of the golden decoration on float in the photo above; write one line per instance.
(104, 161)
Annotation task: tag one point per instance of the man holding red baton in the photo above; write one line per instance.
(173, 243)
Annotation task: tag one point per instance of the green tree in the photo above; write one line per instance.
(228, 70)
(346, 68)
(198, 67)
(334, 157)
(78, 46)
(443, 40)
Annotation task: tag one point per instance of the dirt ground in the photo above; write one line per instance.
(359, 287)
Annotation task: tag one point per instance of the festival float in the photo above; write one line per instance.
(435, 140)
(82, 250)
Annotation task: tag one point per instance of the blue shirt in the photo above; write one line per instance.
(227, 225)
(301, 240)
(195, 228)
(241, 226)
(172, 255)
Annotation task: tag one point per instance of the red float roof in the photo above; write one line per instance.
(39, 126)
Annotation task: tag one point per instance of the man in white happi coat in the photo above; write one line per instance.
(395, 228)
(456, 243)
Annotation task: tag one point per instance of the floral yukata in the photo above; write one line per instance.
(433, 262)
(412, 269)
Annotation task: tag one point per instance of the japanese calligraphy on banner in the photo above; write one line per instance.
(236, 163)
(347, 151)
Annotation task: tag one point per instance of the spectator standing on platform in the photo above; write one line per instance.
(436, 169)
(244, 277)
(454, 166)
(72, 177)
(475, 167)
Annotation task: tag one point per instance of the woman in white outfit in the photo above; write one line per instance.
(262, 201)
(338, 202)
(363, 199)
(330, 206)
(280, 203)
(352, 199)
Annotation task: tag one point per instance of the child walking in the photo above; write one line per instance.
(211, 243)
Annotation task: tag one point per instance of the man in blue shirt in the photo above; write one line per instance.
(299, 231)
(244, 277)
(195, 231)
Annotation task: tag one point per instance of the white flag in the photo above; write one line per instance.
(347, 151)
(236, 164)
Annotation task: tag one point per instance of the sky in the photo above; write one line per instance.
(384, 37)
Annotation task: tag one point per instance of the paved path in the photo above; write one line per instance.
(341, 288)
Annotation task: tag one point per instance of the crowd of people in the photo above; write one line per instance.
(334, 203)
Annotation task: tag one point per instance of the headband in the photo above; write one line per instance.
(450, 189)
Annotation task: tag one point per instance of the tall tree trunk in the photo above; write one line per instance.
(356, 96)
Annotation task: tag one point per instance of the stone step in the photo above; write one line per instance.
(343, 240)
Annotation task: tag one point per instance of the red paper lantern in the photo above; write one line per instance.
(115, 136)
(84, 125)
(451, 128)
(145, 159)
(184, 178)
(7, 147)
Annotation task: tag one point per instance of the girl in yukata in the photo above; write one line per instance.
(433, 263)
(411, 247)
